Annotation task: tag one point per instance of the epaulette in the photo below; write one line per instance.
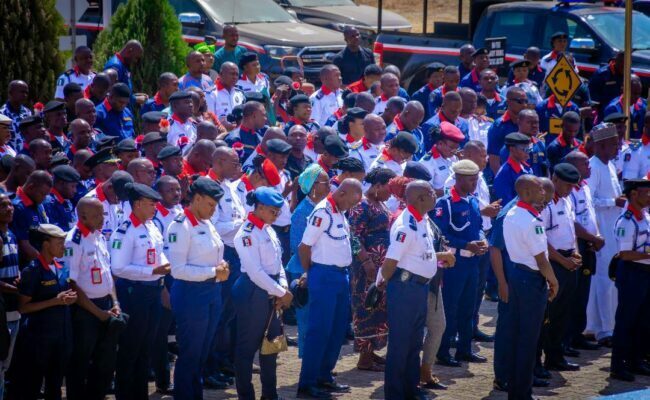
(180, 217)
(76, 237)
(319, 94)
(412, 223)
(427, 156)
(69, 72)
(356, 145)
(241, 187)
(124, 226)
(635, 145)
(248, 226)
(628, 214)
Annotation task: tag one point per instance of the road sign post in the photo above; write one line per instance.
(627, 70)
(563, 81)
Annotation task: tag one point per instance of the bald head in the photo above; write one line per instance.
(142, 171)
(272, 133)
(524, 183)
(575, 157)
(412, 115)
(417, 189)
(348, 194)
(82, 105)
(206, 130)
(365, 101)
(90, 212)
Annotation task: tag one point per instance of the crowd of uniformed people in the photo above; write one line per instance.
(228, 204)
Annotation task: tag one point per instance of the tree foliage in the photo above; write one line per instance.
(156, 26)
(29, 44)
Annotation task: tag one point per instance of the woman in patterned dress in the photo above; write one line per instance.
(370, 224)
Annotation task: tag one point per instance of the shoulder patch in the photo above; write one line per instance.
(248, 227)
(635, 145)
(316, 221)
(180, 217)
(68, 252)
(124, 226)
(319, 94)
(172, 238)
(246, 241)
(401, 237)
(427, 156)
(76, 237)
(628, 214)
(412, 223)
(620, 232)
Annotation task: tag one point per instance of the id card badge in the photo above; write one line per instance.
(151, 256)
(96, 275)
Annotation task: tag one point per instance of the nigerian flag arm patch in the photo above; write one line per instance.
(539, 230)
(117, 244)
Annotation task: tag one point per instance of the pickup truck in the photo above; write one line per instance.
(596, 34)
(264, 27)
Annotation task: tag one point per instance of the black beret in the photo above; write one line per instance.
(357, 112)
(350, 164)
(237, 112)
(515, 138)
(30, 121)
(254, 96)
(416, 170)
(180, 95)
(71, 88)
(66, 173)
(567, 172)
(53, 105)
(480, 51)
(153, 137)
(102, 156)
(246, 58)
(335, 146)
(435, 67)
(300, 294)
(615, 117)
(633, 184)
(298, 99)
(207, 187)
(558, 35)
(153, 117)
(349, 99)
(169, 151)
(520, 63)
(125, 145)
(137, 191)
(60, 158)
(405, 141)
(120, 179)
(106, 141)
(278, 146)
(121, 90)
(7, 162)
(282, 80)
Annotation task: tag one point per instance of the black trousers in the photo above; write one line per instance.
(93, 355)
(578, 318)
(558, 312)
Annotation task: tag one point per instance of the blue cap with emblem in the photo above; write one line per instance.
(268, 196)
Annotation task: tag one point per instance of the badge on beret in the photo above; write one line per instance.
(316, 221)
(246, 240)
(172, 238)
(539, 230)
(620, 232)
(68, 252)
(117, 244)
(401, 237)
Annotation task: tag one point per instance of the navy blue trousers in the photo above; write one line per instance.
(329, 316)
(483, 267)
(407, 313)
(527, 292)
(253, 309)
(196, 307)
(223, 346)
(459, 299)
(142, 303)
(632, 316)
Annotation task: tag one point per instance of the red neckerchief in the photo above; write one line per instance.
(330, 199)
(191, 217)
(87, 93)
(259, 224)
(101, 196)
(107, 105)
(474, 75)
(637, 213)
(74, 149)
(23, 197)
(323, 166)
(386, 155)
(645, 139)
(247, 183)
(156, 164)
(514, 164)
(219, 85)
(442, 117)
(583, 149)
(338, 114)
(358, 86)
(245, 129)
(259, 150)
(325, 90)
(637, 104)
(444, 89)
(455, 197)
(563, 143)
(45, 265)
(551, 103)
(435, 153)
(189, 170)
(496, 96)
(134, 220)
(554, 55)
(57, 196)
(162, 209)
(528, 207)
(157, 99)
(336, 181)
(83, 229)
(349, 138)
(119, 57)
(383, 97)
(310, 141)
(430, 86)
(414, 212)
(612, 68)
(178, 119)
(506, 116)
(76, 70)
(213, 175)
(580, 185)
(366, 144)
(398, 123)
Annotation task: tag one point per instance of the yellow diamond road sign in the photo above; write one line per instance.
(563, 81)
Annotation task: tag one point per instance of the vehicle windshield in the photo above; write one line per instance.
(610, 27)
(320, 3)
(246, 11)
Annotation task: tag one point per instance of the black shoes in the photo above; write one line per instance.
(312, 392)
(169, 389)
(561, 365)
(622, 376)
(500, 386)
(448, 362)
(540, 382)
(584, 344)
(334, 387)
(606, 341)
(471, 357)
(571, 352)
(483, 337)
(541, 372)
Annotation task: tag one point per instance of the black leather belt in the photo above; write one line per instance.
(408, 276)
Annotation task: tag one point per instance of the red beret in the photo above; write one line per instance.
(271, 173)
(451, 132)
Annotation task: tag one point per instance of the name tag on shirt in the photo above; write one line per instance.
(96, 275)
(151, 256)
